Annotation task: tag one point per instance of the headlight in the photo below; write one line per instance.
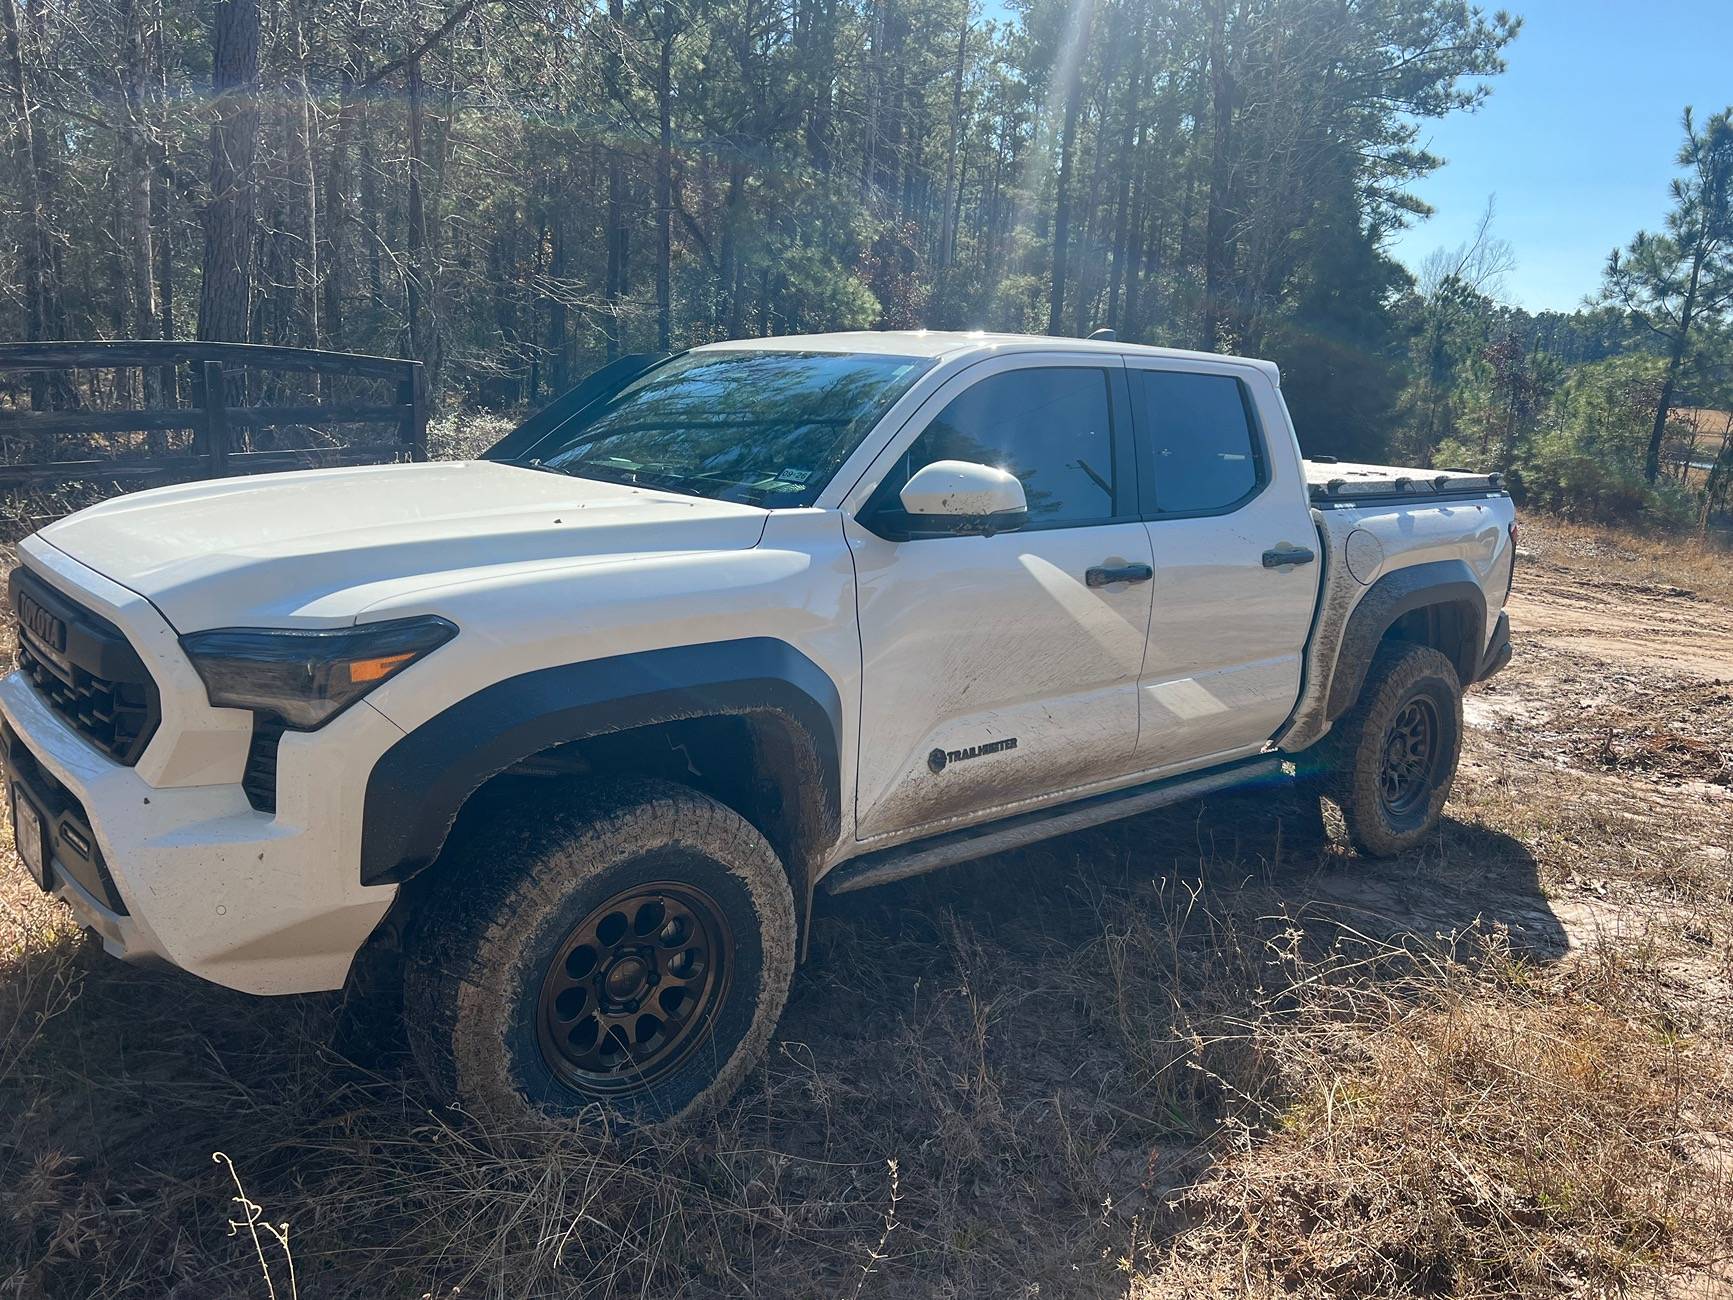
(308, 678)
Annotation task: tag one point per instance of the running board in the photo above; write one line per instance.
(914, 859)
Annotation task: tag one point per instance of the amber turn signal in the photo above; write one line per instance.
(377, 670)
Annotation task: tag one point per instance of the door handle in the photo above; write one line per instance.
(1283, 556)
(1101, 575)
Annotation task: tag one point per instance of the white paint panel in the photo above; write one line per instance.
(1227, 636)
(971, 641)
(318, 546)
(1185, 717)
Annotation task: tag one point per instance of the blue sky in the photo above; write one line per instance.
(1577, 139)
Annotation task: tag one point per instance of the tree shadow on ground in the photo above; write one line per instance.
(1061, 1033)
(985, 1081)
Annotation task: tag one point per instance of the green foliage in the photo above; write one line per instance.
(1579, 407)
(818, 293)
(594, 177)
(603, 177)
(1339, 344)
(1680, 281)
(1586, 460)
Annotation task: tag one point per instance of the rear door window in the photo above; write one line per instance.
(1201, 441)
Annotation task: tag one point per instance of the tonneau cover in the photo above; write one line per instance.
(1329, 480)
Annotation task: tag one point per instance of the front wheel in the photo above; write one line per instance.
(1391, 760)
(630, 954)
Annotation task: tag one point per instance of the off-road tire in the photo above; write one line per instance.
(513, 884)
(1404, 679)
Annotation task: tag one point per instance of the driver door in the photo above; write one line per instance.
(997, 670)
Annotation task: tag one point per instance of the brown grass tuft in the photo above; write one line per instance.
(1472, 1141)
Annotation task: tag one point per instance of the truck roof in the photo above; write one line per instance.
(945, 343)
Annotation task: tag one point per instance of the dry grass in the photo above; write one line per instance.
(1153, 1060)
(1481, 1132)
(1700, 565)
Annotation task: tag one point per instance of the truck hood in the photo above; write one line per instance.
(320, 546)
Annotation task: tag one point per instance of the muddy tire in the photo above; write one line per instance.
(1389, 762)
(621, 958)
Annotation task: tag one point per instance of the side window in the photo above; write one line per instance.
(1051, 427)
(1200, 437)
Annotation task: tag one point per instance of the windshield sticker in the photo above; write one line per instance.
(795, 475)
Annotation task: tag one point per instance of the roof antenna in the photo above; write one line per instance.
(1104, 336)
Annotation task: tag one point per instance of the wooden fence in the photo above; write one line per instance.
(219, 443)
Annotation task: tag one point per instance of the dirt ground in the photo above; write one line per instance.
(1173, 1057)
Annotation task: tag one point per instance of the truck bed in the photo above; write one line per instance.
(1332, 482)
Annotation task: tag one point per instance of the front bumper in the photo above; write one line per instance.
(167, 860)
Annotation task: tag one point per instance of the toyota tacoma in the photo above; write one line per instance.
(570, 736)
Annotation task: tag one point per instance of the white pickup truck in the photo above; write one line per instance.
(569, 736)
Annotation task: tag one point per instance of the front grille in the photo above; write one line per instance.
(260, 780)
(84, 669)
(113, 716)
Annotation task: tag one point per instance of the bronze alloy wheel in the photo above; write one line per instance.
(634, 988)
(1410, 755)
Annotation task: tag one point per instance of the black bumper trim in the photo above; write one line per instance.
(67, 836)
(1498, 652)
(418, 785)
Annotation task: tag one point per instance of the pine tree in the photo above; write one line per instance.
(1675, 281)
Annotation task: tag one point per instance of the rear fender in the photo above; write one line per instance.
(1446, 586)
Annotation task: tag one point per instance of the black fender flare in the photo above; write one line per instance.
(1435, 583)
(417, 787)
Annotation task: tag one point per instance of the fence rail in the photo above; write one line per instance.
(215, 370)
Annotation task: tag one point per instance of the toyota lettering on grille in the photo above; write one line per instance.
(41, 624)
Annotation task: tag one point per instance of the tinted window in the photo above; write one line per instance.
(1200, 439)
(1052, 428)
(769, 428)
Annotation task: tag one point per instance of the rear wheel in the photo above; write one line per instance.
(1391, 760)
(631, 954)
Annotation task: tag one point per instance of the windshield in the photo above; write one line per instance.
(765, 428)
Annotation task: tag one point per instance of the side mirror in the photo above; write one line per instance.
(951, 497)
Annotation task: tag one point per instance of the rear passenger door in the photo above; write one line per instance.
(1221, 491)
(999, 669)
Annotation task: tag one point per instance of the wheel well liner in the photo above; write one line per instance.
(418, 786)
(1439, 603)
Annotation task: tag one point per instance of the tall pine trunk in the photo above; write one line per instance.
(335, 205)
(733, 224)
(558, 376)
(36, 256)
(1216, 219)
(616, 224)
(1067, 152)
(420, 340)
(162, 205)
(302, 189)
(226, 293)
(1675, 356)
(135, 178)
(948, 228)
(664, 181)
